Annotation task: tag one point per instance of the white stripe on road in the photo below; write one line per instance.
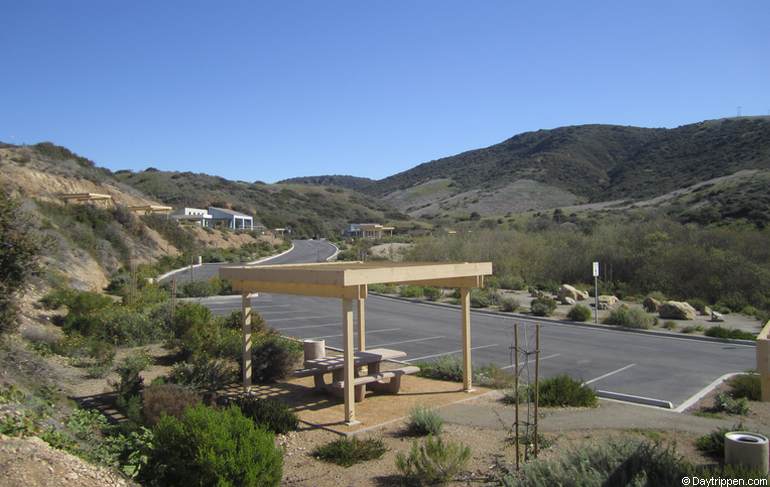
(301, 318)
(306, 326)
(608, 374)
(531, 361)
(404, 341)
(367, 332)
(447, 353)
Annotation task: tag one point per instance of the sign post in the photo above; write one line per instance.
(596, 293)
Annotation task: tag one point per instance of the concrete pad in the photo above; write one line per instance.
(318, 409)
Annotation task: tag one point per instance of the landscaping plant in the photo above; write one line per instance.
(562, 390)
(424, 421)
(349, 451)
(433, 461)
(268, 413)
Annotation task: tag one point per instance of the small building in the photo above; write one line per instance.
(195, 216)
(234, 220)
(372, 231)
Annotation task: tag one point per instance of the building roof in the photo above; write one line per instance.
(230, 212)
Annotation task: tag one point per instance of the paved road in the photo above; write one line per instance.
(664, 368)
(303, 251)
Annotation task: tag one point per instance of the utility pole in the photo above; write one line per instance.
(596, 292)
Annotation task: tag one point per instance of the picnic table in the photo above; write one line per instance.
(375, 379)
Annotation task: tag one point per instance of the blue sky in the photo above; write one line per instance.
(268, 90)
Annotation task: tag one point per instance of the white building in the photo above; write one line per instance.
(195, 216)
(234, 220)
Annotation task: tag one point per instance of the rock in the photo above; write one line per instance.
(651, 305)
(677, 310)
(567, 291)
(706, 311)
(567, 300)
(717, 317)
(608, 300)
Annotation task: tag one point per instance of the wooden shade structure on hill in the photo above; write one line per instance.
(349, 282)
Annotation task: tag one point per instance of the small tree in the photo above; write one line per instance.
(19, 250)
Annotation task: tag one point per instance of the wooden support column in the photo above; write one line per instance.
(465, 302)
(347, 338)
(361, 324)
(246, 328)
(763, 368)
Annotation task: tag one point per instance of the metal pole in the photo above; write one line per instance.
(516, 389)
(537, 378)
(596, 299)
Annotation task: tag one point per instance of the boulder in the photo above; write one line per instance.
(567, 300)
(717, 317)
(677, 310)
(567, 291)
(706, 311)
(608, 300)
(651, 305)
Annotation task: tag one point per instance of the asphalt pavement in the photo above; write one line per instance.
(658, 367)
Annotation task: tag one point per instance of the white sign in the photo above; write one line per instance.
(596, 269)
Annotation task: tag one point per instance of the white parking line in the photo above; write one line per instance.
(367, 332)
(279, 312)
(608, 374)
(447, 353)
(404, 341)
(307, 326)
(531, 361)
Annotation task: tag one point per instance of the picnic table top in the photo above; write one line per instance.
(371, 356)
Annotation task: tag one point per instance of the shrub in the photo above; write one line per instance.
(411, 291)
(271, 414)
(273, 358)
(130, 381)
(491, 375)
(211, 340)
(509, 304)
(196, 289)
(562, 390)
(203, 374)
(19, 250)
(349, 451)
(542, 306)
(724, 403)
(579, 312)
(432, 293)
(630, 318)
(448, 367)
(170, 399)
(721, 332)
(424, 421)
(745, 386)
(188, 315)
(433, 462)
(669, 325)
(692, 328)
(211, 447)
(383, 288)
(713, 444)
(483, 298)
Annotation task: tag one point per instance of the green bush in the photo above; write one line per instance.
(424, 421)
(669, 325)
(349, 451)
(411, 291)
(383, 288)
(562, 390)
(745, 386)
(434, 461)
(170, 399)
(509, 304)
(542, 306)
(432, 293)
(273, 358)
(271, 414)
(484, 298)
(210, 447)
(579, 312)
(195, 289)
(732, 333)
(203, 374)
(448, 367)
(699, 305)
(713, 444)
(723, 402)
(692, 329)
(130, 381)
(211, 340)
(630, 318)
(189, 315)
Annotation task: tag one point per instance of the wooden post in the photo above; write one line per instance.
(361, 324)
(246, 325)
(465, 301)
(763, 367)
(347, 338)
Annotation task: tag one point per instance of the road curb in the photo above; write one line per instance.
(264, 259)
(175, 271)
(335, 254)
(647, 401)
(520, 316)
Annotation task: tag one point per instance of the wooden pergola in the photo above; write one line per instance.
(349, 281)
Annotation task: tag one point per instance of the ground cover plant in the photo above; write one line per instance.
(270, 414)
(432, 461)
(721, 332)
(349, 451)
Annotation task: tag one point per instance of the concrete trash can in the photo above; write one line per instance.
(314, 349)
(746, 449)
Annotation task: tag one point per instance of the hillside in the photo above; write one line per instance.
(309, 210)
(579, 164)
(348, 182)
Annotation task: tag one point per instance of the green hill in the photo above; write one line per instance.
(348, 182)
